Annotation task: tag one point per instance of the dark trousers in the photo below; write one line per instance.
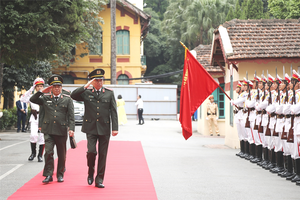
(103, 141)
(140, 114)
(21, 117)
(50, 142)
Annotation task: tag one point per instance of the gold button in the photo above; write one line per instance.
(97, 113)
(86, 120)
(54, 122)
(97, 107)
(97, 120)
(54, 110)
(55, 105)
(54, 116)
(97, 101)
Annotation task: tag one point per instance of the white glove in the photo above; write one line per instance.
(206, 118)
(298, 136)
(32, 88)
(217, 118)
(232, 102)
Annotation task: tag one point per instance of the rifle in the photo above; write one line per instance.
(276, 134)
(290, 137)
(257, 98)
(284, 134)
(260, 127)
(247, 125)
(268, 131)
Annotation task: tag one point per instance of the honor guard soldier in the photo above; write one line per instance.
(271, 108)
(279, 125)
(239, 118)
(295, 137)
(256, 119)
(35, 135)
(100, 113)
(238, 112)
(264, 119)
(58, 119)
(250, 117)
(212, 111)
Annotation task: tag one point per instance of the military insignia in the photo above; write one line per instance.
(90, 96)
(98, 72)
(103, 90)
(55, 78)
(49, 101)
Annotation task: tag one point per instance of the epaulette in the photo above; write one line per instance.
(108, 88)
(65, 95)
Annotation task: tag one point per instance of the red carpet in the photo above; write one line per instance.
(127, 177)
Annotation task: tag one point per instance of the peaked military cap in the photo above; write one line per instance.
(55, 80)
(97, 73)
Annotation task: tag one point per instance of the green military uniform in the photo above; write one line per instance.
(58, 118)
(100, 112)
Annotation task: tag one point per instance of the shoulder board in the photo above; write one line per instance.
(66, 90)
(66, 95)
(108, 88)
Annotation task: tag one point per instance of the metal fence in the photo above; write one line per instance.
(160, 101)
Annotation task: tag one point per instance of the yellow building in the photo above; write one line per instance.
(131, 29)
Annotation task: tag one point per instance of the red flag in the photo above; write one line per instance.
(197, 85)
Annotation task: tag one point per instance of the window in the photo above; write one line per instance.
(122, 42)
(219, 98)
(99, 47)
(123, 80)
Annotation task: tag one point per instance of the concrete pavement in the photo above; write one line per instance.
(198, 168)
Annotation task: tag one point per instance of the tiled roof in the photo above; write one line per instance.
(203, 56)
(135, 9)
(266, 38)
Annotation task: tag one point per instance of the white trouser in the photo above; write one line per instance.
(278, 142)
(266, 138)
(256, 135)
(36, 137)
(241, 129)
(271, 142)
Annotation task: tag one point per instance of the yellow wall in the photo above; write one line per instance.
(83, 66)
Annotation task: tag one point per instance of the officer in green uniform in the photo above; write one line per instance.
(58, 119)
(100, 112)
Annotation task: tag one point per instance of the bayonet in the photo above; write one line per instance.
(283, 71)
(291, 70)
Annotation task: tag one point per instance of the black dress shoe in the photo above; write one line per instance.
(24, 131)
(31, 157)
(99, 185)
(48, 179)
(90, 180)
(60, 179)
(40, 159)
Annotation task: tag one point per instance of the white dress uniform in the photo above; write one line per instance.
(35, 135)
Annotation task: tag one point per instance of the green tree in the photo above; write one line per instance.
(289, 9)
(230, 15)
(158, 6)
(47, 30)
(19, 76)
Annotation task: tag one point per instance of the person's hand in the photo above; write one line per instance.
(71, 133)
(89, 83)
(231, 102)
(32, 88)
(114, 133)
(217, 118)
(47, 89)
(206, 118)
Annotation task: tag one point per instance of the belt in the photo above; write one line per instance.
(298, 115)
(240, 108)
(273, 114)
(264, 112)
(288, 116)
(258, 112)
(280, 116)
(211, 113)
(251, 109)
